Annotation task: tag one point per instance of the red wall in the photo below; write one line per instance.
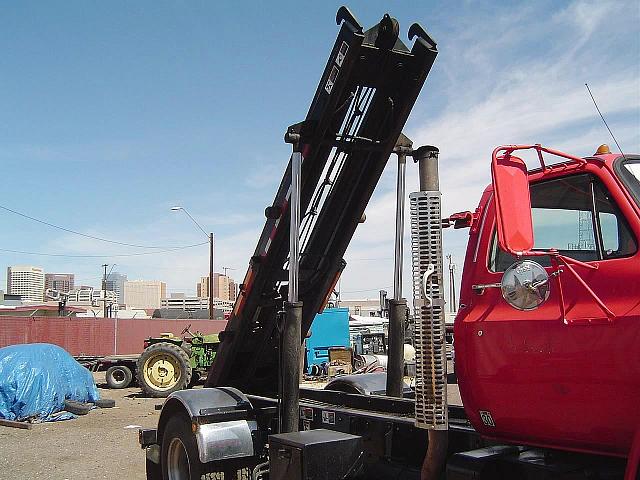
(95, 336)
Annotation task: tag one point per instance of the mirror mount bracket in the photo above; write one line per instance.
(507, 150)
(511, 190)
(480, 288)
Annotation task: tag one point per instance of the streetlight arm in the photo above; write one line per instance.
(175, 209)
(197, 224)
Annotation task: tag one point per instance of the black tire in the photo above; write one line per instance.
(178, 431)
(179, 441)
(173, 358)
(105, 403)
(77, 408)
(119, 376)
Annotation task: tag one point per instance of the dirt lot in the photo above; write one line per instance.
(100, 445)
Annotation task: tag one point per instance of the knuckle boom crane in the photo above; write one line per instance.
(364, 97)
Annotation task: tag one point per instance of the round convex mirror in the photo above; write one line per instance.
(525, 285)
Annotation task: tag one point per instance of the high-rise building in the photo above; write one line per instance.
(224, 288)
(115, 283)
(233, 290)
(144, 293)
(202, 289)
(221, 286)
(62, 282)
(26, 281)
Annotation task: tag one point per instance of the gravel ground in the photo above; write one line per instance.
(95, 446)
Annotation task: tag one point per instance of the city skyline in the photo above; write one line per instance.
(65, 282)
(184, 119)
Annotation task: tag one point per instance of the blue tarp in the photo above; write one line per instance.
(35, 380)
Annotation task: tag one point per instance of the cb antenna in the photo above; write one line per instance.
(605, 122)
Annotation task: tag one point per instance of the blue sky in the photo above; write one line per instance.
(112, 112)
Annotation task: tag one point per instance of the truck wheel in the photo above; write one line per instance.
(163, 368)
(118, 376)
(179, 457)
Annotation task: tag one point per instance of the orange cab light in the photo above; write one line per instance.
(603, 150)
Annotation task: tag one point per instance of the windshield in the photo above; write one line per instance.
(629, 171)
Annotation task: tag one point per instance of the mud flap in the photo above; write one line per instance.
(152, 460)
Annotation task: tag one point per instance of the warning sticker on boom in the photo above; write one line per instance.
(332, 79)
(344, 48)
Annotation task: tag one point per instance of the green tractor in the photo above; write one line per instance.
(171, 363)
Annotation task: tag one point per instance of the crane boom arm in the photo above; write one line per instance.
(368, 88)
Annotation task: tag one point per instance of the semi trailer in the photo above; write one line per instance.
(546, 336)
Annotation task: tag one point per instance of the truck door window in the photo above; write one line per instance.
(576, 216)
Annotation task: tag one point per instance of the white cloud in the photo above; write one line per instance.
(518, 79)
(264, 175)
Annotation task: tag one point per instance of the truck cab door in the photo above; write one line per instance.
(538, 376)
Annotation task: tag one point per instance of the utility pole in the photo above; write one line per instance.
(210, 276)
(104, 290)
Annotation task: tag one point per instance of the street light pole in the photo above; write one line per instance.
(210, 238)
(211, 276)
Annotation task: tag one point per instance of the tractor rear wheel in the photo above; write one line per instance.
(163, 368)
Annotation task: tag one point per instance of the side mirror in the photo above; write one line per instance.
(513, 203)
(525, 285)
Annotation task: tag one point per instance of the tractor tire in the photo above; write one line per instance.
(118, 376)
(163, 368)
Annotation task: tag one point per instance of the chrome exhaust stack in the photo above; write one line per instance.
(431, 410)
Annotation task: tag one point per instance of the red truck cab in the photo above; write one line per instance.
(561, 369)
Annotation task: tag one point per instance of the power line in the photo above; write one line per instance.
(103, 256)
(86, 235)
